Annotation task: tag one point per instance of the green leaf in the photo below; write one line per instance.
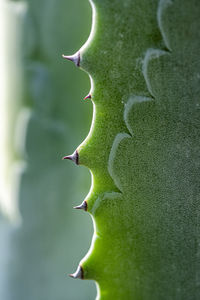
(143, 149)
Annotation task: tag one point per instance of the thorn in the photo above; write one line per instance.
(78, 274)
(89, 96)
(83, 206)
(74, 58)
(74, 157)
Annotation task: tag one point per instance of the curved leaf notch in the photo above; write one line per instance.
(143, 58)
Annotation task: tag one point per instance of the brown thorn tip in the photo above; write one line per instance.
(89, 96)
(78, 274)
(83, 206)
(74, 58)
(66, 157)
(74, 157)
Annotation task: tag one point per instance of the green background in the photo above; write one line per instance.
(47, 120)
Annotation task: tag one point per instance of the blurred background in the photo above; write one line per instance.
(43, 118)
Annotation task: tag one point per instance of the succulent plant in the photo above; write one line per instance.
(143, 149)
